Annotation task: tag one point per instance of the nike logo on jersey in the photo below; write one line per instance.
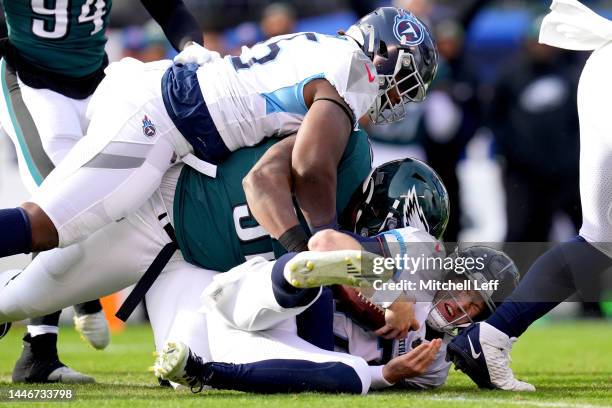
(474, 354)
(371, 77)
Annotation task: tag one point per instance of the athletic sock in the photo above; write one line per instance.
(316, 324)
(88, 308)
(17, 232)
(276, 376)
(566, 268)
(286, 295)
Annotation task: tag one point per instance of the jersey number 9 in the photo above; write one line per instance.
(54, 23)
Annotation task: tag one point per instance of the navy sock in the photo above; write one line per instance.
(282, 376)
(16, 236)
(567, 268)
(316, 324)
(48, 320)
(286, 295)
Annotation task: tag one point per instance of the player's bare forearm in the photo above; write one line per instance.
(177, 22)
(319, 146)
(268, 189)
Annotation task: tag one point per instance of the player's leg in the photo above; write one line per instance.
(177, 290)
(61, 122)
(112, 259)
(109, 173)
(43, 125)
(577, 265)
(18, 122)
(482, 351)
(272, 361)
(258, 294)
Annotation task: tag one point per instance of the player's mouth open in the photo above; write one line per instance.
(449, 310)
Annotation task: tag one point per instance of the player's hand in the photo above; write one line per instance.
(412, 364)
(399, 320)
(194, 53)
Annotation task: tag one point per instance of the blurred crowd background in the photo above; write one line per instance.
(500, 123)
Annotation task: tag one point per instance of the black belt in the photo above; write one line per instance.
(146, 281)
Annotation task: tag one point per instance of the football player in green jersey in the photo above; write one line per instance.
(214, 230)
(53, 59)
(211, 216)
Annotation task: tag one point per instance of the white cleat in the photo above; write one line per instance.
(66, 375)
(93, 328)
(177, 364)
(312, 269)
(496, 347)
(483, 353)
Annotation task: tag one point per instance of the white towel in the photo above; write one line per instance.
(573, 26)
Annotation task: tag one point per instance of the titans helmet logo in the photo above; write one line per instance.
(408, 30)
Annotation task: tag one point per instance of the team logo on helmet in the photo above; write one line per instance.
(148, 128)
(413, 212)
(407, 29)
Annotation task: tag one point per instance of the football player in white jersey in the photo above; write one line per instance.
(579, 265)
(310, 83)
(117, 256)
(52, 61)
(251, 312)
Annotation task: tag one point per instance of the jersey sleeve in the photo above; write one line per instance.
(177, 22)
(354, 77)
(417, 250)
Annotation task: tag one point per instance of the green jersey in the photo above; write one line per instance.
(214, 227)
(66, 37)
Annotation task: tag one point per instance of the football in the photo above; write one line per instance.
(358, 307)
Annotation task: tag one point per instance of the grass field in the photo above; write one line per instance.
(570, 364)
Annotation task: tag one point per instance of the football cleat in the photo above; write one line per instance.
(93, 328)
(312, 269)
(39, 363)
(67, 375)
(176, 363)
(4, 329)
(483, 353)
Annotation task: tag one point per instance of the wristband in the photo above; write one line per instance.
(294, 239)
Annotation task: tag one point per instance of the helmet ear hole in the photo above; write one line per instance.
(419, 177)
(382, 49)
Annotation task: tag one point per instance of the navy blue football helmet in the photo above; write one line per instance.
(489, 265)
(404, 54)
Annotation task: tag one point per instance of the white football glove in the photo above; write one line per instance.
(194, 53)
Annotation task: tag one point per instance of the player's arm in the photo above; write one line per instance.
(267, 188)
(412, 364)
(176, 20)
(319, 146)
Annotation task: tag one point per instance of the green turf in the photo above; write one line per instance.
(570, 364)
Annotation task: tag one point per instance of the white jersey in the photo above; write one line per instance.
(357, 341)
(260, 93)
